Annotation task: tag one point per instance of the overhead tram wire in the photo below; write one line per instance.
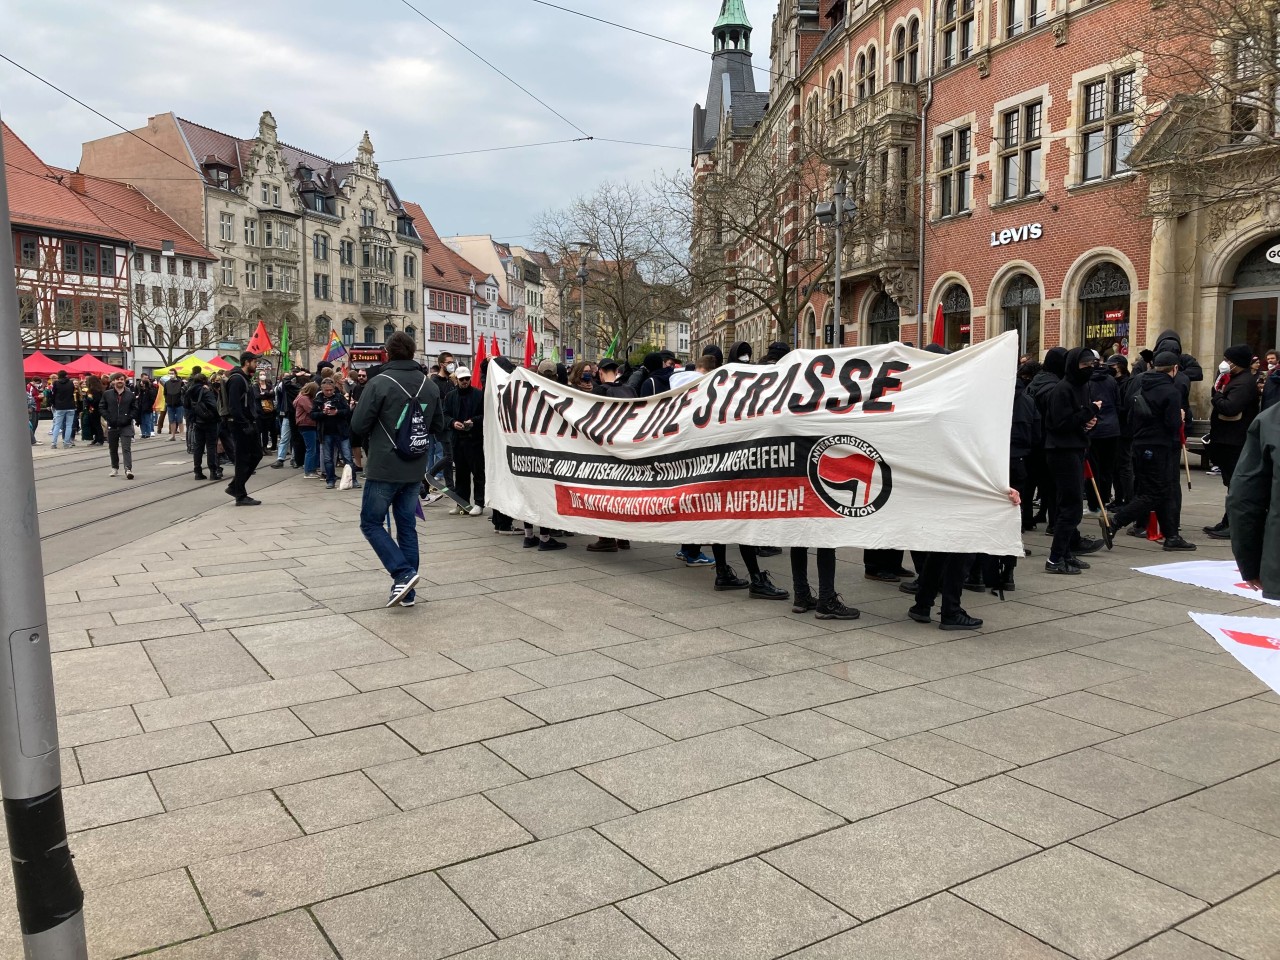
(465, 153)
(496, 69)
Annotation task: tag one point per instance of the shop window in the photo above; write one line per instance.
(1021, 306)
(882, 322)
(1020, 151)
(1107, 130)
(906, 52)
(953, 172)
(1104, 310)
(348, 332)
(957, 317)
(957, 31)
(1256, 303)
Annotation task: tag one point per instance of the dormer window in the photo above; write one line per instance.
(218, 175)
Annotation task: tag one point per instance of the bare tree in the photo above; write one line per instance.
(637, 270)
(171, 316)
(1210, 75)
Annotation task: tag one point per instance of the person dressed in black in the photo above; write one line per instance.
(464, 415)
(1104, 439)
(659, 379)
(243, 415)
(1122, 489)
(1155, 413)
(202, 425)
(1189, 372)
(93, 411)
(1042, 383)
(1235, 405)
(1069, 416)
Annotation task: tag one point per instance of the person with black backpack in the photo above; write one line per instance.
(398, 412)
(203, 421)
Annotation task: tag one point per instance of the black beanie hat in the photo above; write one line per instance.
(1241, 355)
(776, 352)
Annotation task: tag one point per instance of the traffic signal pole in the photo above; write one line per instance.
(50, 901)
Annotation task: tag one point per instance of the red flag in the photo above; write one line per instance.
(939, 329)
(1088, 469)
(476, 377)
(493, 346)
(528, 345)
(260, 343)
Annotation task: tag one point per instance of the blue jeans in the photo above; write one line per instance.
(312, 460)
(63, 424)
(334, 447)
(398, 556)
(284, 447)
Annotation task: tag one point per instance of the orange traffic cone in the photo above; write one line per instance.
(1153, 528)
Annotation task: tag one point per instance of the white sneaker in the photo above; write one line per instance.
(128, 474)
(475, 511)
(115, 473)
(431, 498)
(456, 511)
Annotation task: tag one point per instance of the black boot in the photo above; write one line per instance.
(762, 588)
(728, 580)
(1177, 543)
(959, 621)
(834, 609)
(804, 602)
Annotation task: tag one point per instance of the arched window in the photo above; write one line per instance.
(872, 68)
(900, 55)
(839, 93)
(861, 75)
(831, 97)
(882, 322)
(144, 335)
(348, 331)
(387, 331)
(204, 338)
(957, 317)
(320, 247)
(322, 327)
(413, 334)
(369, 335)
(191, 338)
(410, 266)
(1021, 305)
(1104, 309)
(913, 50)
(1254, 302)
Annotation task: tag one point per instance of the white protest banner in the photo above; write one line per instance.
(882, 446)
(1220, 575)
(1254, 641)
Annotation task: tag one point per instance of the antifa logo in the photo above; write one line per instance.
(850, 476)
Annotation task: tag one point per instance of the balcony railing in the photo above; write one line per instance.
(895, 101)
(378, 310)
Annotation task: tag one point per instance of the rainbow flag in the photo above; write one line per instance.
(336, 349)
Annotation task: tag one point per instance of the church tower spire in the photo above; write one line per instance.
(733, 30)
(732, 77)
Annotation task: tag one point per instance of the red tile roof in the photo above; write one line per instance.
(442, 267)
(134, 216)
(40, 197)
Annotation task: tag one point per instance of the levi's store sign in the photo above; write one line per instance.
(1028, 231)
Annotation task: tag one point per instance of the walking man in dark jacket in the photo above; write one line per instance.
(243, 416)
(63, 401)
(391, 482)
(1253, 505)
(203, 421)
(119, 407)
(1069, 416)
(1235, 405)
(1155, 416)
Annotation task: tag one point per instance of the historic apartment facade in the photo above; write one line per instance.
(995, 151)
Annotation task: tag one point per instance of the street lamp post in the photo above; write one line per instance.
(833, 214)
(583, 274)
(561, 287)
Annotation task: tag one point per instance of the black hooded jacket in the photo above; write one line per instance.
(1103, 386)
(1068, 409)
(1050, 375)
(659, 381)
(1189, 371)
(1159, 424)
(738, 349)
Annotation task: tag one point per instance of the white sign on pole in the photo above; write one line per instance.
(1254, 641)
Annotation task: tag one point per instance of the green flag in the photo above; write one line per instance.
(613, 345)
(285, 365)
(555, 354)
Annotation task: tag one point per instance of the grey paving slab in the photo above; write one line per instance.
(471, 687)
(692, 715)
(290, 936)
(940, 928)
(1025, 734)
(395, 673)
(230, 585)
(278, 766)
(690, 676)
(789, 692)
(80, 728)
(1057, 673)
(581, 699)
(557, 804)
(570, 668)
(779, 657)
(1031, 813)
(1200, 748)
(417, 918)
(149, 751)
(265, 729)
(360, 710)
(893, 859)
(102, 677)
(326, 643)
(529, 886)
(1148, 653)
(746, 911)
(466, 724)
(1103, 711)
(1254, 712)
(1108, 783)
(444, 775)
(854, 644)
(980, 692)
(110, 801)
(678, 770)
(535, 753)
(860, 784)
(235, 611)
(70, 769)
(335, 801)
(140, 915)
(1189, 850)
(898, 713)
(814, 734)
(1174, 946)
(1085, 906)
(943, 758)
(237, 701)
(139, 848)
(714, 829)
(105, 636)
(1183, 690)
(203, 661)
(258, 883)
(1245, 926)
(870, 675)
(1252, 799)
(504, 653)
(589, 936)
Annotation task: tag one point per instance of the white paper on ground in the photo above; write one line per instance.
(1220, 575)
(1254, 641)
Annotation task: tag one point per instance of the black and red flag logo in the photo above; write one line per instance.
(850, 476)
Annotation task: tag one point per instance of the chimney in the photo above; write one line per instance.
(76, 183)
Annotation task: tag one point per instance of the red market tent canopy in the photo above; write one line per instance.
(89, 364)
(38, 365)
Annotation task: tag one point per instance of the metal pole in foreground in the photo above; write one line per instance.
(835, 296)
(50, 902)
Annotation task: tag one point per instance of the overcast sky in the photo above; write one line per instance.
(329, 70)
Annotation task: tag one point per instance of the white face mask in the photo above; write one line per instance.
(1224, 367)
(744, 358)
(450, 367)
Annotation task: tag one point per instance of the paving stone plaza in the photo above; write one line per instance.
(568, 755)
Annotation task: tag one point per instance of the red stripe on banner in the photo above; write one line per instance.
(763, 499)
(1253, 639)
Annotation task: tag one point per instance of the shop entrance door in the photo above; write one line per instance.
(1253, 319)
